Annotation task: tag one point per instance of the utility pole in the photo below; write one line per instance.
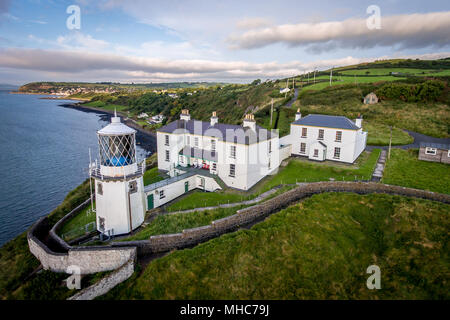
(314, 75)
(390, 142)
(331, 75)
(271, 114)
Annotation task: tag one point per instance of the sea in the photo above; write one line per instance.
(44, 154)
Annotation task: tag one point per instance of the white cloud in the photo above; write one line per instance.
(253, 23)
(89, 66)
(404, 31)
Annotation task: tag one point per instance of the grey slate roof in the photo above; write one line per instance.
(320, 120)
(221, 131)
(435, 145)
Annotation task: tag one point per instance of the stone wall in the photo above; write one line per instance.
(190, 237)
(106, 284)
(88, 259)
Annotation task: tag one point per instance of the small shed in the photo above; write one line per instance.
(435, 152)
(371, 98)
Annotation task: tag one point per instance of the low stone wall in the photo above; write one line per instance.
(106, 284)
(54, 231)
(88, 259)
(190, 237)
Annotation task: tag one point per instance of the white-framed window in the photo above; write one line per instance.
(161, 194)
(213, 145)
(233, 152)
(167, 155)
(338, 136)
(337, 153)
(167, 140)
(320, 137)
(232, 170)
(431, 151)
(214, 166)
(316, 153)
(302, 147)
(196, 141)
(304, 132)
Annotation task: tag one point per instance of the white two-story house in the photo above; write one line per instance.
(240, 155)
(323, 137)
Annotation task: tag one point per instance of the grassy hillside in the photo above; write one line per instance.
(318, 249)
(405, 169)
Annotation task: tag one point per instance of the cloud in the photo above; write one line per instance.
(253, 23)
(94, 66)
(404, 31)
(78, 40)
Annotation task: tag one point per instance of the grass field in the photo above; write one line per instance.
(74, 228)
(340, 80)
(405, 169)
(379, 135)
(387, 71)
(106, 106)
(153, 175)
(297, 170)
(175, 223)
(318, 249)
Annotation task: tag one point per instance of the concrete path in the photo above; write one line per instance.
(259, 198)
(418, 138)
(379, 168)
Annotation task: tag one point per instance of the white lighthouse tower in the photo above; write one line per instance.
(119, 186)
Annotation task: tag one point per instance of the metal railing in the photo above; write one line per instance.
(95, 171)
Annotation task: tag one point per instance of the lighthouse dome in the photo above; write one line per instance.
(116, 128)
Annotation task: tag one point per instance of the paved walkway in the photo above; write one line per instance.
(379, 168)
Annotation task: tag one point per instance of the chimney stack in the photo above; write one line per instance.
(185, 115)
(298, 115)
(214, 119)
(249, 121)
(358, 121)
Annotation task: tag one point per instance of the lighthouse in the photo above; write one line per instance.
(119, 186)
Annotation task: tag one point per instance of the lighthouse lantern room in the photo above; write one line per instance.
(119, 186)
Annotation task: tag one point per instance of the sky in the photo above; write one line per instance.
(197, 40)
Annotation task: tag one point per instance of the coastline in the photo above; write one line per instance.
(145, 139)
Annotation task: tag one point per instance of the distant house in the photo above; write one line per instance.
(285, 90)
(173, 95)
(371, 98)
(434, 152)
(142, 115)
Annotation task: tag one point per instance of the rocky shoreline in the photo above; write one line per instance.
(144, 138)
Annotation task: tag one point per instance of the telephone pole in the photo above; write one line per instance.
(390, 142)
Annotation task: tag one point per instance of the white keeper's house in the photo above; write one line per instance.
(240, 155)
(323, 137)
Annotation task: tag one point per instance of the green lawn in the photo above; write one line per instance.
(106, 106)
(339, 80)
(175, 223)
(298, 170)
(379, 134)
(387, 71)
(153, 175)
(74, 228)
(318, 249)
(405, 169)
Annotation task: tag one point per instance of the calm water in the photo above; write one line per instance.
(44, 154)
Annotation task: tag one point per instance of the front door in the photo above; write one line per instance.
(150, 201)
(186, 186)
